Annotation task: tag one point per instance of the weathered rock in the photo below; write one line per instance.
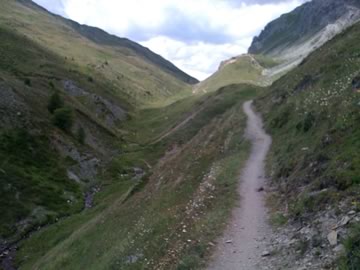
(333, 238)
(356, 83)
(339, 249)
(265, 254)
(344, 221)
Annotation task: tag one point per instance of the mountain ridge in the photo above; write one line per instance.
(102, 37)
(303, 23)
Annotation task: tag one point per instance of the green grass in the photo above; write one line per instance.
(34, 185)
(135, 223)
(243, 70)
(313, 115)
(351, 259)
(266, 61)
(151, 123)
(148, 225)
(118, 67)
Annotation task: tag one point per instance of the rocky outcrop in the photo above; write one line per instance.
(13, 110)
(103, 108)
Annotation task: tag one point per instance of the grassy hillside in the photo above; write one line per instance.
(243, 69)
(167, 220)
(78, 127)
(118, 61)
(313, 114)
(52, 160)
(89, 118)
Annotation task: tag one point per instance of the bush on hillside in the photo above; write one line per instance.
(81, 135)
(351, 258)
(27, 82)
(63, 118)
(55, 102)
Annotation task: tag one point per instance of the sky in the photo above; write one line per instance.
(196, 35)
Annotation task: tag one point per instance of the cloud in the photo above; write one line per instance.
(195, 35)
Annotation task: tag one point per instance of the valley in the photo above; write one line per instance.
(113, 158)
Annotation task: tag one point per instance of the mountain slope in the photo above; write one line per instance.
(242, 69)
(285, 42)
(145, 174)
(120, 62)
(102, 38)
(63, 102)
(313, 115)
(306, 28)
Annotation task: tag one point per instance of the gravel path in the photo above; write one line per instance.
(242, 247)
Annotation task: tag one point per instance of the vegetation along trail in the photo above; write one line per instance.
(241, 245)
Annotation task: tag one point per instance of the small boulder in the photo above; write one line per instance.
(265, 254)
(344, 221)
(356, 84)
(333, 238)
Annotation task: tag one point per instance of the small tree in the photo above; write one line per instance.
(52, 85)
(55, 102)
(81, 135)
(27, 82)
(63, 118)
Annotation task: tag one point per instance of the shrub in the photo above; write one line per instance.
(52, 85)
(351, 259)
(81, 135)
(55, 102)
(27, 82)
(63, 118)
(308, 122)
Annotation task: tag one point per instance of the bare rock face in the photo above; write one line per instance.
(13, 109)
(103, 108)
(306, 22)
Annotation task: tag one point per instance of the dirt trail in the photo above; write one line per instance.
(182, 123)
(242, 245)
(177, 127)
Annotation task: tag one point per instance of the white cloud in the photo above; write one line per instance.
(195, 35)
(199, 59)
